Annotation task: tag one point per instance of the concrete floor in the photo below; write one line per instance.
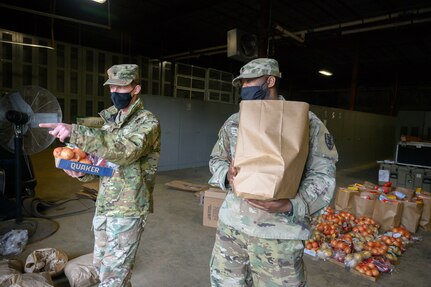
(175, 247)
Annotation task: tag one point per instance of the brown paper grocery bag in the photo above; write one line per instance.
(271, 149)
(387, 214)
(409, 193)
(412, 212)
(344, 199)
(425, 222)
(363, 204)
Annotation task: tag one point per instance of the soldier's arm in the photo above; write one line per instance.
(135, 143)
(318, 184)
(220, 160)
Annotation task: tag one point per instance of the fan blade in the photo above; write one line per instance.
(43, 118)
(38, 105)
(19, 104)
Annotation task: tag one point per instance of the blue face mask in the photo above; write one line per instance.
(254, 93)
(121, 100)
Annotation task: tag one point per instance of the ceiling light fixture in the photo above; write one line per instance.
(325, 72)
(100, 1)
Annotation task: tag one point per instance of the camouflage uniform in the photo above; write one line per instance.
(254, 247)
(131, 140)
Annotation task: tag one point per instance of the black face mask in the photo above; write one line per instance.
(254, 93)
(121, 100)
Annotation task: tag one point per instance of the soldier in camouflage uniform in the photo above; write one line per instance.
(260, 243)
(129, 138)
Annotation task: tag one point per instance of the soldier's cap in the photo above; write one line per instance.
(123, 75)
(257, 68)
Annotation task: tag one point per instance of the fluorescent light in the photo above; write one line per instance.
(325, 73)
(100, 1)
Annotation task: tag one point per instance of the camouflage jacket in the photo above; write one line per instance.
(315, 192)
(132, 141)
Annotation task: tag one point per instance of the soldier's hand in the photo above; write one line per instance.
(281, 205)
(231, 173)
(73, 173)
(60, 130)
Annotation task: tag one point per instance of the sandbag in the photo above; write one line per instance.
(11, 275)
(49, 260)
(80, 271)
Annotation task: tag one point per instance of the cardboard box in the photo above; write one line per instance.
(83, 167)
(186, 186)
(213, 199)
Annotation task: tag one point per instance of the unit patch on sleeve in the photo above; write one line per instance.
(329, 140)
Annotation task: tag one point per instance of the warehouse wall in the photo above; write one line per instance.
(360, 138)
(190, 128)
(414, 123)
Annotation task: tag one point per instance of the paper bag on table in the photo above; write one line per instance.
(271, 149)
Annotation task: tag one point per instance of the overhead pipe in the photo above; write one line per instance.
(300, 38)
(301, 34)
(198, 55)
(27, 44)
(191, 54)
(61, 17)
(386, 26)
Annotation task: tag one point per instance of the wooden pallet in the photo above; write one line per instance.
(352, 270)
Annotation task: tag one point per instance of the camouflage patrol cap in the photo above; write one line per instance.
(257, 68)
(123, 75)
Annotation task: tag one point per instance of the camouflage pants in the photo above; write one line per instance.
(116, 242)
(241, 260)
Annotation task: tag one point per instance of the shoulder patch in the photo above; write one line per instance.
(329, 140)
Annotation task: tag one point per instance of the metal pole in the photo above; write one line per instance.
(18, 172)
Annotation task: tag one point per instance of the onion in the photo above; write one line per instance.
(57, 151)
(67, 153)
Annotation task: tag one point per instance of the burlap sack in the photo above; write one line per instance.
(272, 149)
(411, 215)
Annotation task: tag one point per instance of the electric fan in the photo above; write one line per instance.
(21, 111)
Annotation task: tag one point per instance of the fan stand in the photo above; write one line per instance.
(38, 228)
